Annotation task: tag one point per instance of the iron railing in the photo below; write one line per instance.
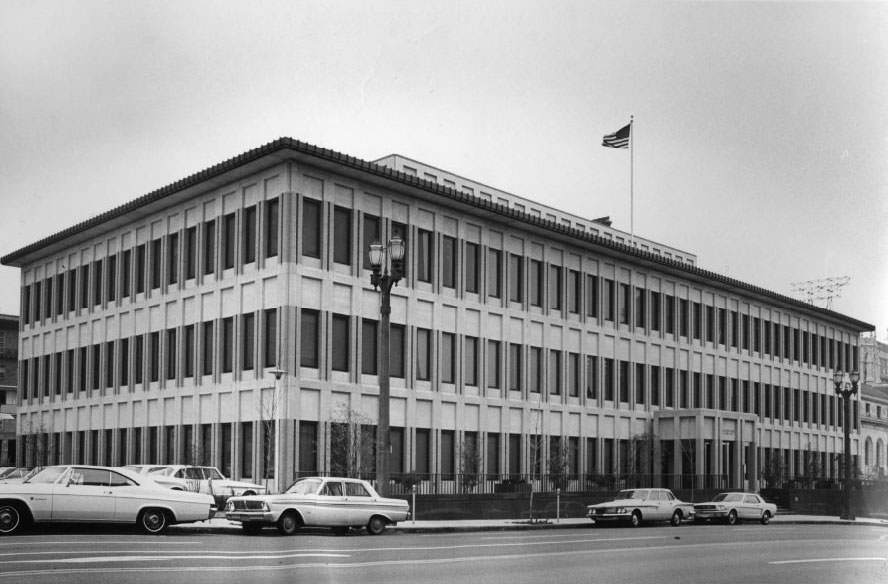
(486, 484)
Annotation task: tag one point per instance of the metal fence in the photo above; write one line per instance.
(486, 484)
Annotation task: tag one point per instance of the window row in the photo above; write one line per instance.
(202, 349)
(221, 346)
(205, 249)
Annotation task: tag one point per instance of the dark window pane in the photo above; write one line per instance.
(249, 235)
(229, 237)
(248, 341)
(339, 355)
(209, 247)
(471, 267)
(272, 213)
(368, 347)
(311, 228)
(342, 240)
(309, 338)
(448, 262)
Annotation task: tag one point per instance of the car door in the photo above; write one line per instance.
(127, 497)
(665, 504)
(85, 495)
(751, 507)
(360, 504)
(332, 507)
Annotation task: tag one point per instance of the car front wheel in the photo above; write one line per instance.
(153, 521)
(732, 517)
(10, 519)
(766, 517)
(635, 519)
(288, 523)
(376, 525)
(675, 520)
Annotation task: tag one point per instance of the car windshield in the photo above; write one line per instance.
(6, 471)
(48, 475)
(305, 487)
(161, 471)
(729, 497)
(632, 494)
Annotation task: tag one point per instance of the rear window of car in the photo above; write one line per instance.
(118, 480)
(752, 499)
(356, 490)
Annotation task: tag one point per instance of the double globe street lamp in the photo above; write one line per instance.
(846, 390)
(383, 278)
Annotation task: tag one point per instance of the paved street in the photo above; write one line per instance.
(692, 553)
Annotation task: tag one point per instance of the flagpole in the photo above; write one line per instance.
(632, 180)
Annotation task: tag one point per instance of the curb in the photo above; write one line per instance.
(515, 526)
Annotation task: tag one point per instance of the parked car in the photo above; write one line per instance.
(97, 494)
(208, 479)
(334, 502)
(155, 473)
(637, 505)
(735, 507)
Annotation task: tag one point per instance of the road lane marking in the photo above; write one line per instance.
(30, 543)
(109, 559)
(553, 536)
(241, 554)
(816, 560)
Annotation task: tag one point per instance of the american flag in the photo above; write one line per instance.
(619, 139)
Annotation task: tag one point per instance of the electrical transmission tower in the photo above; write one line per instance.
(825, 289)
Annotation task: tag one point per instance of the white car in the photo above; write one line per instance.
(334, 502)
(637, 505)
(208, 479)
(97, 494)
(735, 507)
(156, 473)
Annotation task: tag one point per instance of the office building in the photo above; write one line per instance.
(520, 331)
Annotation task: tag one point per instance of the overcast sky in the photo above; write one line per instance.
(761, 128)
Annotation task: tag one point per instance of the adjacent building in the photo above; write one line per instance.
(9, 334)
(520, 333)
(874, 395)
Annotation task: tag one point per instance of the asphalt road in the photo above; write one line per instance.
(785, 554)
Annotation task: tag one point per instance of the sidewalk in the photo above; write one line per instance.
(222, 525)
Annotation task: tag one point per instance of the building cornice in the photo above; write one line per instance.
(284, 148)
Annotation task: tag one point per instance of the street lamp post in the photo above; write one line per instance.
(383, 279)
(846, 390)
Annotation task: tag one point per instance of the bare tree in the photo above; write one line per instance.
(773, 472)
(352, 445)
(535, 448)
(269, 407)
(469, 463)
(559, 462)
(36, 449)
(641, 459)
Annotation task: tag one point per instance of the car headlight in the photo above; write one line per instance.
(720, 507)
(620, 510)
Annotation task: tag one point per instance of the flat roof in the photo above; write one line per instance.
(286, 148)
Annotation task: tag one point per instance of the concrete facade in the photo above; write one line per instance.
(148, 334)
